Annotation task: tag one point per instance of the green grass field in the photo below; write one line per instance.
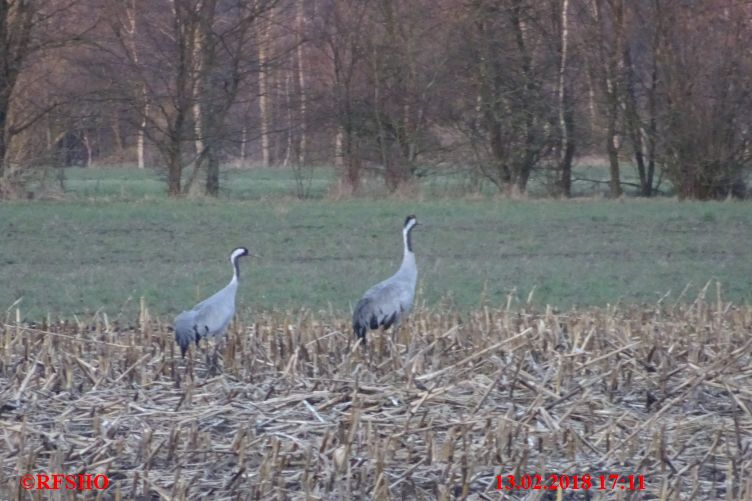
(466, 390)
(132, 184)
(116, 238)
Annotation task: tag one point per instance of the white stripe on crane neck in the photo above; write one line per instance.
(240, 251)
(406, 237)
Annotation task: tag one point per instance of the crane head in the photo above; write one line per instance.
(238, 252)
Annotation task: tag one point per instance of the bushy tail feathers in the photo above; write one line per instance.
(360, 323)
(185, 330)
(360, 329)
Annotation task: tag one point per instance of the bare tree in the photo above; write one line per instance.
(402, 69)
(29, 31)
(184, 81)
(606, 32)
(300, 27)
(508, 113)
(225, 57)
(706, 69)
(392, 87)
(566, 104)
(128, 19)
(643, 30)
(159, 90)
(339, 25)
(264, 68)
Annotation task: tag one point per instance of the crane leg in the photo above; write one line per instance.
(213, 360)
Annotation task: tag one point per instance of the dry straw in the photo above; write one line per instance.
(294, 412)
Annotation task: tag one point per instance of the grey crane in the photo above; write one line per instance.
(387, 302)
(211, 316)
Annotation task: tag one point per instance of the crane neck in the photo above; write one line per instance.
(235, 270)
(408, 259)
(408, 241)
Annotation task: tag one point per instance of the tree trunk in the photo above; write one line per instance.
(290, 124)
(15, 40)
(352, 163)
(176, 128)
(488, 107)
(212, 172)
(611, 137)
(566, 164)
(131, 29)
(566, 118)
(118, 137)
(198, 94)
(141, 137)
(338, 148)
(652, 129)
(303, 140)
(613, 159)
(609, 57)
(264, 90)
(243, 143)
(521, 172)
(522, 179)
(652, 132)
(87, 145)
(198, 128)
(497, 149)
(174, 170)
(391, 179)
(3, 143)
(350, 155)
(633, 123)
(591, 86)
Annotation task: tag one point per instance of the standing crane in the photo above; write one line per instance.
(387, 302)
(211, 316)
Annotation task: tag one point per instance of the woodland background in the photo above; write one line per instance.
(497, 91)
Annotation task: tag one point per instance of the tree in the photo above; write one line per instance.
(264, 29)
(339, 26)
(225, 55)
(707, 73)
(29, 31)
(566, 102)
(403, 66)
(508, 113)
(184, 78)
(605, 28)
(394, 88)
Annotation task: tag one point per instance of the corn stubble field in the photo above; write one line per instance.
(293, 410)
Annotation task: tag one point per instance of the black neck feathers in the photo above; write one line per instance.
(237, 268)
(409, 238)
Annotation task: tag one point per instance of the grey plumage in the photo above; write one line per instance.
(388, 302)
(211, 316)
